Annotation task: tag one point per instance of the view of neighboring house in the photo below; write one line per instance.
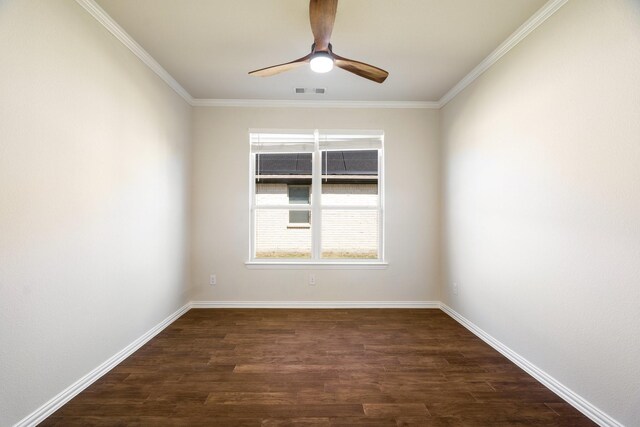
(349, 178)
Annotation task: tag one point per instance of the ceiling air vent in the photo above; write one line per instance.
(311, 90)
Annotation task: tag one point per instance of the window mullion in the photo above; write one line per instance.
(316, 197)
(351, 207)
(284, 207)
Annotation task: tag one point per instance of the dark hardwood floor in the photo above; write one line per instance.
(316, 367)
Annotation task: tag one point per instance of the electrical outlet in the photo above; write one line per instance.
(212, 280)
(455, 288)
(312, 279)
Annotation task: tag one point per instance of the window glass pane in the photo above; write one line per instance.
(276, 237)
(350, 178)
(299, 217)
(350, 234)
(275, 172)
(299, 195)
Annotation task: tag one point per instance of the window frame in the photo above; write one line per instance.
(316, 209)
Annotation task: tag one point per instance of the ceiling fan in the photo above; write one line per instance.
(322, 14)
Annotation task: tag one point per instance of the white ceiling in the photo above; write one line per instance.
(427, 46)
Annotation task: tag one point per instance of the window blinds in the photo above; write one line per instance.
(350, 140)
(304, 141)
(282, 142)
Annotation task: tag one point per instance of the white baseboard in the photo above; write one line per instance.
(554, 385)
(70, 392)
(574, 399)
(74, 389)
(315, 304)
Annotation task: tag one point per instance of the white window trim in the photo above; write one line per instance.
(316, 208)
(316, 265)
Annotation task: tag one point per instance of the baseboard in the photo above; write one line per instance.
(554, 385)
(70, 392)
(574, 399)
(315, 304)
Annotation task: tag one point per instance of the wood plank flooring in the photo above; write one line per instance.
(385, 367)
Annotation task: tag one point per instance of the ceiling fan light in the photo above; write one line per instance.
(321, 62)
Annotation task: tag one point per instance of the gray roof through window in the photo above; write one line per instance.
(361, 162)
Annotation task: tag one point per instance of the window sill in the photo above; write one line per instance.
(311, 265)
(293, 225)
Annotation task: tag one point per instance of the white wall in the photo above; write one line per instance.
(220, 207)
(93, 200)
(542, 201)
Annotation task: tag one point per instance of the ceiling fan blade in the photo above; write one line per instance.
(280, 68)
(322, 14)
(361, 69)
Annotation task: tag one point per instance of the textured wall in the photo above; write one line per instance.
(93, 195)
(542, 201)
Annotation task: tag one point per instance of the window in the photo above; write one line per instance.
(316, 196)
(299, 195)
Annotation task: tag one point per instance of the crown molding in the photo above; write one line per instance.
(112, 26)
(523, 31)
(286, 103)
